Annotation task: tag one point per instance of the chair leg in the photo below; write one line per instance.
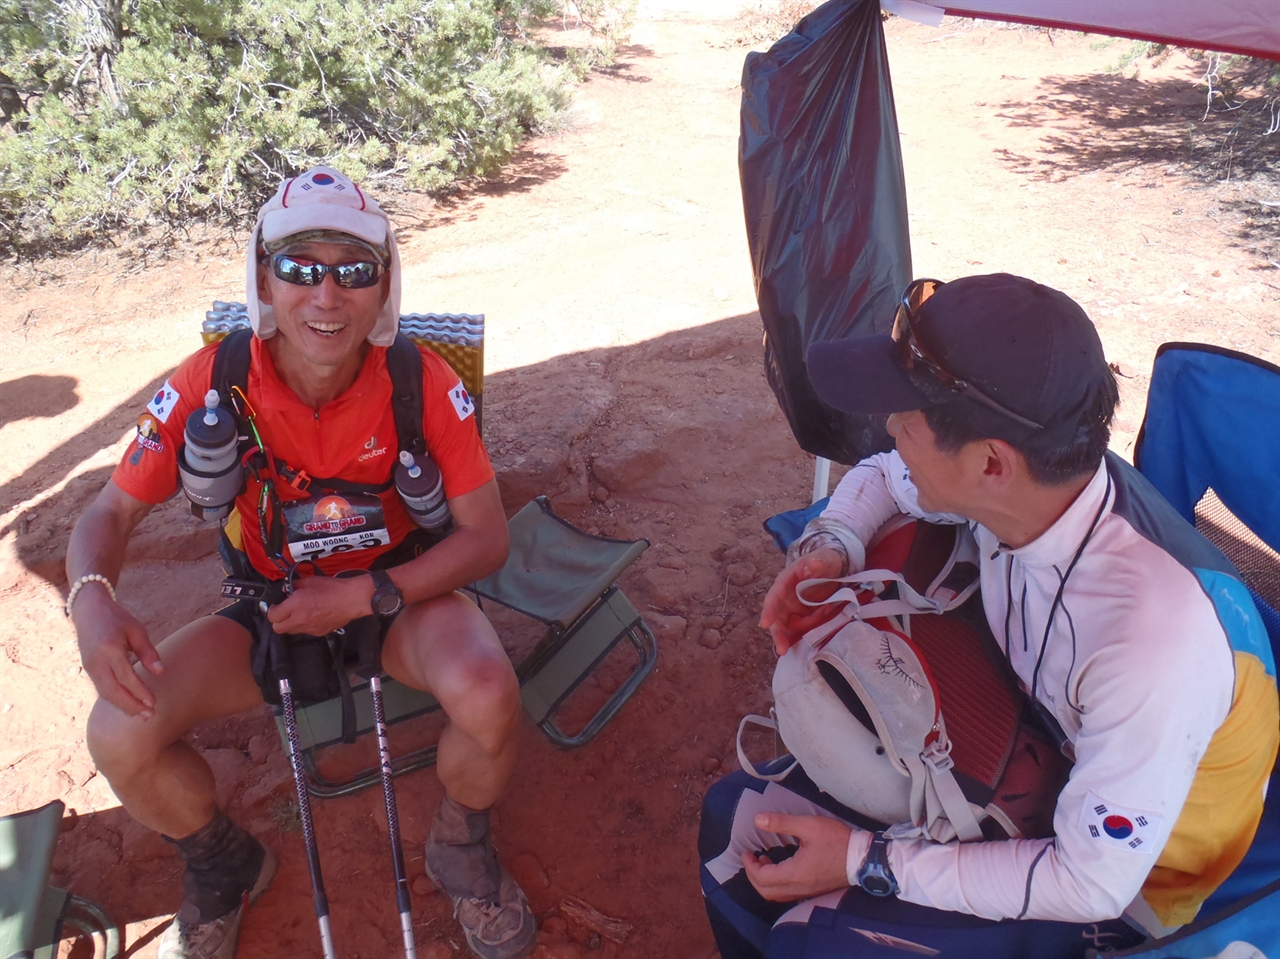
(91, 919)
(646, 647)
(322, 787)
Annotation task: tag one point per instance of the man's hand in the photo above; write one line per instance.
(111, 641)
(817, 867)
(788, 619)
(321, 604)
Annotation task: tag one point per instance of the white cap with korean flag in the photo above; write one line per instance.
(322, 204)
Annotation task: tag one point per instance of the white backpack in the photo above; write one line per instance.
(859, 709)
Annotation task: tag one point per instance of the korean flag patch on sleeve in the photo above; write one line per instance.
(462, 402)
(163, 402)
(1117, 826)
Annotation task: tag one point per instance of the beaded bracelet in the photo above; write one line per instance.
(79, 584)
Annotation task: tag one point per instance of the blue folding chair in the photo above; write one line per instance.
(1210, 443)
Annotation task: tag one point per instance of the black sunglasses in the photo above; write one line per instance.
(927, 374)
(350, 276)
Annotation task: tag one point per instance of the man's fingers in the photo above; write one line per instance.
(132, 695)
(140, 643)
(784, 824)
(774, 881)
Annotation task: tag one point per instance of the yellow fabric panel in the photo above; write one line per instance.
(467, 362)
(1223, 809)
(233, 531)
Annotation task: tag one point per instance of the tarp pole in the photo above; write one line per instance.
(821, 478)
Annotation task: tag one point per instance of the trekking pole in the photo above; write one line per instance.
(304, 813)
(393, 818)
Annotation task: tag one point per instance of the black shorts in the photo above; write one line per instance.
(248, 614)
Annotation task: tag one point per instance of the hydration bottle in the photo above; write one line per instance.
(421, 487)
(209, 463)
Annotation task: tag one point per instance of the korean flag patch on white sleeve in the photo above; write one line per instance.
(462, 402)
(163, 402)
(1117, 826)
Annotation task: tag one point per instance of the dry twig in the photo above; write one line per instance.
(616, 930)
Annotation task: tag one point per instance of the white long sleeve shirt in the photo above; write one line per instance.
(1136, 665)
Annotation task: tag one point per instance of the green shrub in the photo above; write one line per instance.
(195, 109)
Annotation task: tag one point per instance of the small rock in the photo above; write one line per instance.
(555, 928)
(711, 638)
(528, 872)
(667, 629)
(715, 622)
(422, 886)
(710, 765)
(741, 574)
(673, 561)
(666, 586)
(732, 554)
(261, 747)
(435, 950)
(1121, 369)
(600, 494)
(634, 460)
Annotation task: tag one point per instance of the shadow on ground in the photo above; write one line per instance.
(1111, 122)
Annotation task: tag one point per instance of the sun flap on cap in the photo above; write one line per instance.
(354, 213)
(861, 376)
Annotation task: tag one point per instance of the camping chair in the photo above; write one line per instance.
(555, 574)
(32, 912)
(1210, 443)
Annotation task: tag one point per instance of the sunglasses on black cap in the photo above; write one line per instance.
(927, 374)
(350, 276)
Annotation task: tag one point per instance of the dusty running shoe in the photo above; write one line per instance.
(227, 870)
(491, 908)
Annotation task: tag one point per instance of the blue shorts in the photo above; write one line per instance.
(849, 923)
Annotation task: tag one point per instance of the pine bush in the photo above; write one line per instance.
(121, 114)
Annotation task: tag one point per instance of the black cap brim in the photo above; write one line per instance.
(861, 376)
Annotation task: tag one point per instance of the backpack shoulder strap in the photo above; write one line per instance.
(231, 365)
(404, 363)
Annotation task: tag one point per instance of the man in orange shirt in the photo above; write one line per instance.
(323, 292)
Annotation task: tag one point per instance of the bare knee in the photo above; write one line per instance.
(121, 745)
(482, 698)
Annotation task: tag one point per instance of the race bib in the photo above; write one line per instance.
(334, 523)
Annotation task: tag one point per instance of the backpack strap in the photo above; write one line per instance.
(231, 366)
(404, 363)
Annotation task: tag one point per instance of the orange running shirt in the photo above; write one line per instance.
(352, 439)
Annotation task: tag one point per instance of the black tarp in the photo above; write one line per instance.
(826, 208)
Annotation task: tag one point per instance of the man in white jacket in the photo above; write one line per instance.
(1133, 634)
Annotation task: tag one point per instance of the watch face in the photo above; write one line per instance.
(387, 600)
(877, 885)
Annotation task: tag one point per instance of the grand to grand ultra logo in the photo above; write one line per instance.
(332, 514)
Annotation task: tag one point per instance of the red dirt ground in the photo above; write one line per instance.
(624, 380)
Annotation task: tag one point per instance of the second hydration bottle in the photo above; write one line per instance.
(209, 462)
(421, 487)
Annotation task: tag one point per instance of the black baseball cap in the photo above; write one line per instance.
(1029, 348)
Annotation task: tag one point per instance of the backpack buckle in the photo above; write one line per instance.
(938, 756)
(300, 481)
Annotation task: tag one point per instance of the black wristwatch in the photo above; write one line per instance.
(875, 876)
(387, 598)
